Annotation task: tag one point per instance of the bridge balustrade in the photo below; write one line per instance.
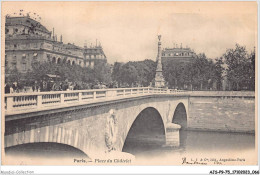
(38, 100)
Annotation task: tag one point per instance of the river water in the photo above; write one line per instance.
(152, 151)
(195, 144)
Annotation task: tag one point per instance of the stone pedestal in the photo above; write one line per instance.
(172, 135)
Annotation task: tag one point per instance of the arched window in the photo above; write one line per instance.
(73, 62)
(68, 61)
(59, 60)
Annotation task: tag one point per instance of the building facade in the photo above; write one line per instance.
(28, 41)
(183, 55)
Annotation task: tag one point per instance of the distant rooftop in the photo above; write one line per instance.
(26, 21)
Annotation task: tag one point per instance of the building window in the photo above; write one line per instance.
(13, 65)
(6, 61)
(14, 58)
(16, 30)
(24, 67)
(59, 61)
(49, 57)
(35, 55)
(6, 31)
(54, 60)
(23, 58)
(15, 46)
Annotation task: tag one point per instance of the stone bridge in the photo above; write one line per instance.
(98, 121)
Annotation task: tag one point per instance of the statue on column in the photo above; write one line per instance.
(159, 80)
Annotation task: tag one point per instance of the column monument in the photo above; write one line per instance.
(159, 80)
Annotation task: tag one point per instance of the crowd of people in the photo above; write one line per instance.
(45, 86)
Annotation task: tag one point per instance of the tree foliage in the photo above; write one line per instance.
(240, 68)
(137, 73)
(198, 74)
(66, 72)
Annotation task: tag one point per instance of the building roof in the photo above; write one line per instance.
(26, 21)
(72, 46)
(177, 50)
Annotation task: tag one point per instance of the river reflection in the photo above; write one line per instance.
(151, 149)
(192, 142)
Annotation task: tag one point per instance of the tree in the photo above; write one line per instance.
(12, 75)
(219, 69)
(140, 72)
(252, 71)
(238, 67)
(102, 72)
(128, 75)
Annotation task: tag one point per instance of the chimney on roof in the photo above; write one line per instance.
(61, 38)
(181, 45)
(53, 37)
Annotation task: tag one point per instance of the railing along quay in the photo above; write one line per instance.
(39, 100)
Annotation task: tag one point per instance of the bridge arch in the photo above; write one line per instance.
(180, 115)
(145, 131)
(45, 150)
(49, 134)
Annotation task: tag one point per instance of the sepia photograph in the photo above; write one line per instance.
(129, 83)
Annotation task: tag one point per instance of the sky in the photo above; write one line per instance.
(128, 31)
